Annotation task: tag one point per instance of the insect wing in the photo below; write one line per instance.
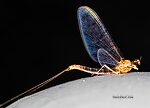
(105, 58)
(94, 34)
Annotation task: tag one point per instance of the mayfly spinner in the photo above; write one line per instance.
(99, 46)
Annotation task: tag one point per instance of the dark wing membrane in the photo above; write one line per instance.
(105, 58)
(94, 34)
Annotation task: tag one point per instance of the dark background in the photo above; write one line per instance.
(41, 38)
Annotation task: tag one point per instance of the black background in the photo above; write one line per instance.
(41, 38)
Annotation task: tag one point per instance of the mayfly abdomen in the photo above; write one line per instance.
(89, 68)
(98, 71)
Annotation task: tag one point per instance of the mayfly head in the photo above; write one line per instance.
(136, 62)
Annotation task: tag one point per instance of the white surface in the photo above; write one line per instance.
(94, 92)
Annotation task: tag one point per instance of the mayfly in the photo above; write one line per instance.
(100, 47)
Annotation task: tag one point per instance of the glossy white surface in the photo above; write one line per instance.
(131, 90)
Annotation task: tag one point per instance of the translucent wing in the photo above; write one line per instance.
(94, 34)
(105, 58)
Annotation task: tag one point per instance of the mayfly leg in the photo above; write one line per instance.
(107, 67)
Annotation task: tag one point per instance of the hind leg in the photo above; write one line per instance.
(106, 67)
